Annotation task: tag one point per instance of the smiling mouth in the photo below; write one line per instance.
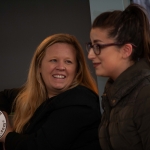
(96, 64)
(59, 76)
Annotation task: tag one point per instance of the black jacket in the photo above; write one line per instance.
(68, 121)
(125, 122)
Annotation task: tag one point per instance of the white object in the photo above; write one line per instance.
(2, 124)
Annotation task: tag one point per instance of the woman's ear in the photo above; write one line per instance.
(127, 50)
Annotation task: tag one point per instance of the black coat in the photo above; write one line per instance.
(125, 122)
(68, 121)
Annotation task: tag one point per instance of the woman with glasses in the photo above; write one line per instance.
(120, 49)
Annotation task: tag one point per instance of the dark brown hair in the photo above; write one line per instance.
(128, 26)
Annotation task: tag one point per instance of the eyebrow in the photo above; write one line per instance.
(95, 41)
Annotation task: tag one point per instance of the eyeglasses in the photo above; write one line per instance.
(97, 47)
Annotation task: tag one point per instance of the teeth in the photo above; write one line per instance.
(59, 76)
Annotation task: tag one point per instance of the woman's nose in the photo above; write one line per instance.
(61, 67)
(91, 54)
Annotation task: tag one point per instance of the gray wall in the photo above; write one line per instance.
(24, 24)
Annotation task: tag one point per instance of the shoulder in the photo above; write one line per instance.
(142, 101)
(143, 88)
(79, 95)
(81, 92)
(144, 93)
(82, 89)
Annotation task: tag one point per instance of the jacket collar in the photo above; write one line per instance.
(116, 90)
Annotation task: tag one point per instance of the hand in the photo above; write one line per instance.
(8, 128)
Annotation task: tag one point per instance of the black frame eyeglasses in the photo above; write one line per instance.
(97, 47)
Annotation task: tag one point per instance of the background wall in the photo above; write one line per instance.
(24, 24)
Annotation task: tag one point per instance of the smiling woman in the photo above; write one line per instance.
(58, 107)
(58, 67)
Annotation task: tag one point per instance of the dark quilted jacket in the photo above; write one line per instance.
(126, 102)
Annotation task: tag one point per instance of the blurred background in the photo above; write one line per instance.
(24, 24)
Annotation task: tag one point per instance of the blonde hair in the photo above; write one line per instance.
(34, 92)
